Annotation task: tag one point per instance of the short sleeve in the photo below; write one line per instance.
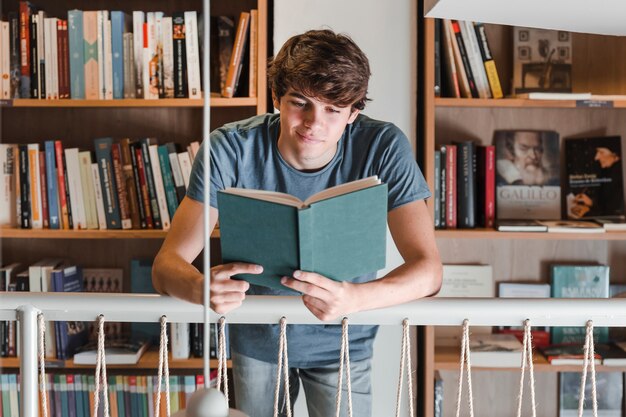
(399, 170)
(223, 167)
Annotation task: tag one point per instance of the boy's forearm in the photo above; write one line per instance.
(173, 276)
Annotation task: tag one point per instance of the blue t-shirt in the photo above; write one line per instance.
(245, 154)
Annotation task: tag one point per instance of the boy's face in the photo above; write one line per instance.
(310, 129)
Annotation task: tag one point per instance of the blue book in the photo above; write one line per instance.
(120, 23)
(71, 334)
(52, 186)
(141, 283)
(71, 395)
(77, 53)
(65, 409)
(579, 281)
(107, 180)
(168, 180)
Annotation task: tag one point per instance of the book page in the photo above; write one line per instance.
(343, 189)
(271, 196)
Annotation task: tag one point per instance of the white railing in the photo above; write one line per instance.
(266, 309)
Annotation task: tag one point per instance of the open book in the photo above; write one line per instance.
(339, 232)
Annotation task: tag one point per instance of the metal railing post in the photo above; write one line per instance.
(27, 317)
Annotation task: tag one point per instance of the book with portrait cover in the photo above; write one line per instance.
(594, 188)
(527, 174)
(339, 232)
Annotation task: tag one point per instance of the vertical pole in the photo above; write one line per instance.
(27, 320)
(206, 130)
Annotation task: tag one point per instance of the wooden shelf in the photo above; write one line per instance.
(171, 102)
(447, 359)
(494, 234)
(149, 360)
(86, 234)
(520, 103)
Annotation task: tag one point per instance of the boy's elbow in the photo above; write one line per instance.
(437, 278)
(156, 276)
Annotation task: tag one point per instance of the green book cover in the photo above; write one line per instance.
(579, 281)
(341, 236)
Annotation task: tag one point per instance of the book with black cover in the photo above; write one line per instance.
(527, 174)
(70, 334)
(595, 180)
(339, 232)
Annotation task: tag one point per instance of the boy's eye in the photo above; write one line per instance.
(332, 110)
(298, 103)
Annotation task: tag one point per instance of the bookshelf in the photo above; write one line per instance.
(598, 67)
(78, 122)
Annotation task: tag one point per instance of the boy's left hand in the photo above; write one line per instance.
(327, 299)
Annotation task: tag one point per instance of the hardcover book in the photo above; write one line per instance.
(70, 334)
(496, 351)
(572, 226)
(520, 225)
(527, 177)
(595, 184)
(579, 281)
(610, 391)
(339, 233)
(116, 352)
(542, 60)
(567, 354)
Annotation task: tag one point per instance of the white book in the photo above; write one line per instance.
(35, 186)
(193, 55)
(168, 56)
(158, 185)
(150, 59)
(116, 353)
(572, 226)
(48, 56)
(610, 225)
(555, 96)
(185, 167)
(495, 351)
(176, 171)
(179, 339)
(76, 188)
(523, 290)
(8, 195)
(97, 186)
(5, 61)
(54, 62)
(108, 58)
(101, 67)
(129, 69)
(475, 58)
(138, 19)
(89, 194)
(464, 281)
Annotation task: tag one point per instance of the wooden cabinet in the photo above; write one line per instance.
(598, 67)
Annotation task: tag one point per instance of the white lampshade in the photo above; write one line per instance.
(606, 17)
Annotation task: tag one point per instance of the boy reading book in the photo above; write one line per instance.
(319, 139)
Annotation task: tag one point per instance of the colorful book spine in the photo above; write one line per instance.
(97, 186)
(467, 69)
(35, 186)
(451, 177)
(488, 61)
(129, 178)
(180, 56)
(154, 203)
(168, 180)
(466, 185)
(119, 25)
(60, 172)
(193, 55)
(25, 216)
(44, 192)
(90, 64)
(142, 187)
(122, 192)
(89, 194)
(107, 179)
(77, 53)
(75, 188)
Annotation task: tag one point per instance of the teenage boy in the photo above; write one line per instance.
(319, 139)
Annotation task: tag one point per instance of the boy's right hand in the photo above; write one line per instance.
(226, 293)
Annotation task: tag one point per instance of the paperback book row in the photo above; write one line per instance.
(130, 184)
(72, 395)
(105, 55)
(125, 344)
(465, 66)
(567, 281)
(516, 183)
(609, 390)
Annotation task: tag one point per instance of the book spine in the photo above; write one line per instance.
(14, 27)
(75, 188)
(35, 186)
(438, 63)
(168, 181)
(45, 218)
(89, 194)
(490, 186)
(100, 50)
(192, 55)
(142, 186)
(451, 207)
(437, 189)
(76, 53)
(8, 195)
(24, 187)
(5, 60)
(180, 56)
(97, 186)
(158, 186)
(25, 49)
(60, 173)
(138, 21)
(129, 178)
(254, 53)
(236, 58)
(475, 59)
(147, 168)
(177, 174)
(168, 57)
(41, 71)
(34, 58)
(157, 52)
(120, 181)
(117, 50)
(107, 179)
(488, 61)
(47, 54)
(90, 64)
(66, 180)
(466, 185)
(465, 59)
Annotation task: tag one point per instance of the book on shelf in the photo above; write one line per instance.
(612, 225)
(540, 335)
(339, 232)
(527, 174)
(237, 56)
(8, 195)
(117, 352)
(613, 354)
(488, 61)
(542, 60)
(464, 281)
(495, 350)
(520, 225)
(554, 96)
(572, 226)
(567, 354)
(70, 334)
(595, 183)
(609, 391)
(579, 281)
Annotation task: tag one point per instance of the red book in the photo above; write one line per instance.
(45, 217)
(485, 161)
(122, 193)
(25, 12)
(143, 187)
(64, 218)
(63, 59)
(451, 186)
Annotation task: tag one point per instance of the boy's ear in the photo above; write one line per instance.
(275, 101)
(353, 115)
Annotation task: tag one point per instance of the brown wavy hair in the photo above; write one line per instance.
(324, 65)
